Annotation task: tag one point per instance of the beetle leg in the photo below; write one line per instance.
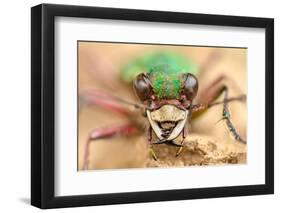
(149, 137)
(181, 147)
(112, 103)
(125, 130)
(208, 97)
(226, 117)
(215, 89)
(211, 60)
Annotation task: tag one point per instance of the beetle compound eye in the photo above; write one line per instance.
(143, 87)
(190, 86)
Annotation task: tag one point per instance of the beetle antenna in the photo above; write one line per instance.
(92, 95)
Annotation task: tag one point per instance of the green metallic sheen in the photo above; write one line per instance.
(165, 70)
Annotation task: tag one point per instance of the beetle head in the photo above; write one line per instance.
(167, 116)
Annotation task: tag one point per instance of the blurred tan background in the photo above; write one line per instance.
(99, 68)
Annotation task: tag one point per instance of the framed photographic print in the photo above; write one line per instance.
(140, 106)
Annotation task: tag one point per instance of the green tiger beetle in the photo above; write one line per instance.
(166, 84)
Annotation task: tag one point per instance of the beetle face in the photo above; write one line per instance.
(167, 114)
(167, 122)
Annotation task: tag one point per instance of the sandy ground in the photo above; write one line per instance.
(207, 144)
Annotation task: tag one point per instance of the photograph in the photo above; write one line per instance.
(140, 105)
(146, 105)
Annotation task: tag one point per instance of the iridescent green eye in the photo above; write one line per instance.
(143, 88)
(190, 86)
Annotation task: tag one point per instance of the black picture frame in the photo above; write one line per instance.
(43, 105)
